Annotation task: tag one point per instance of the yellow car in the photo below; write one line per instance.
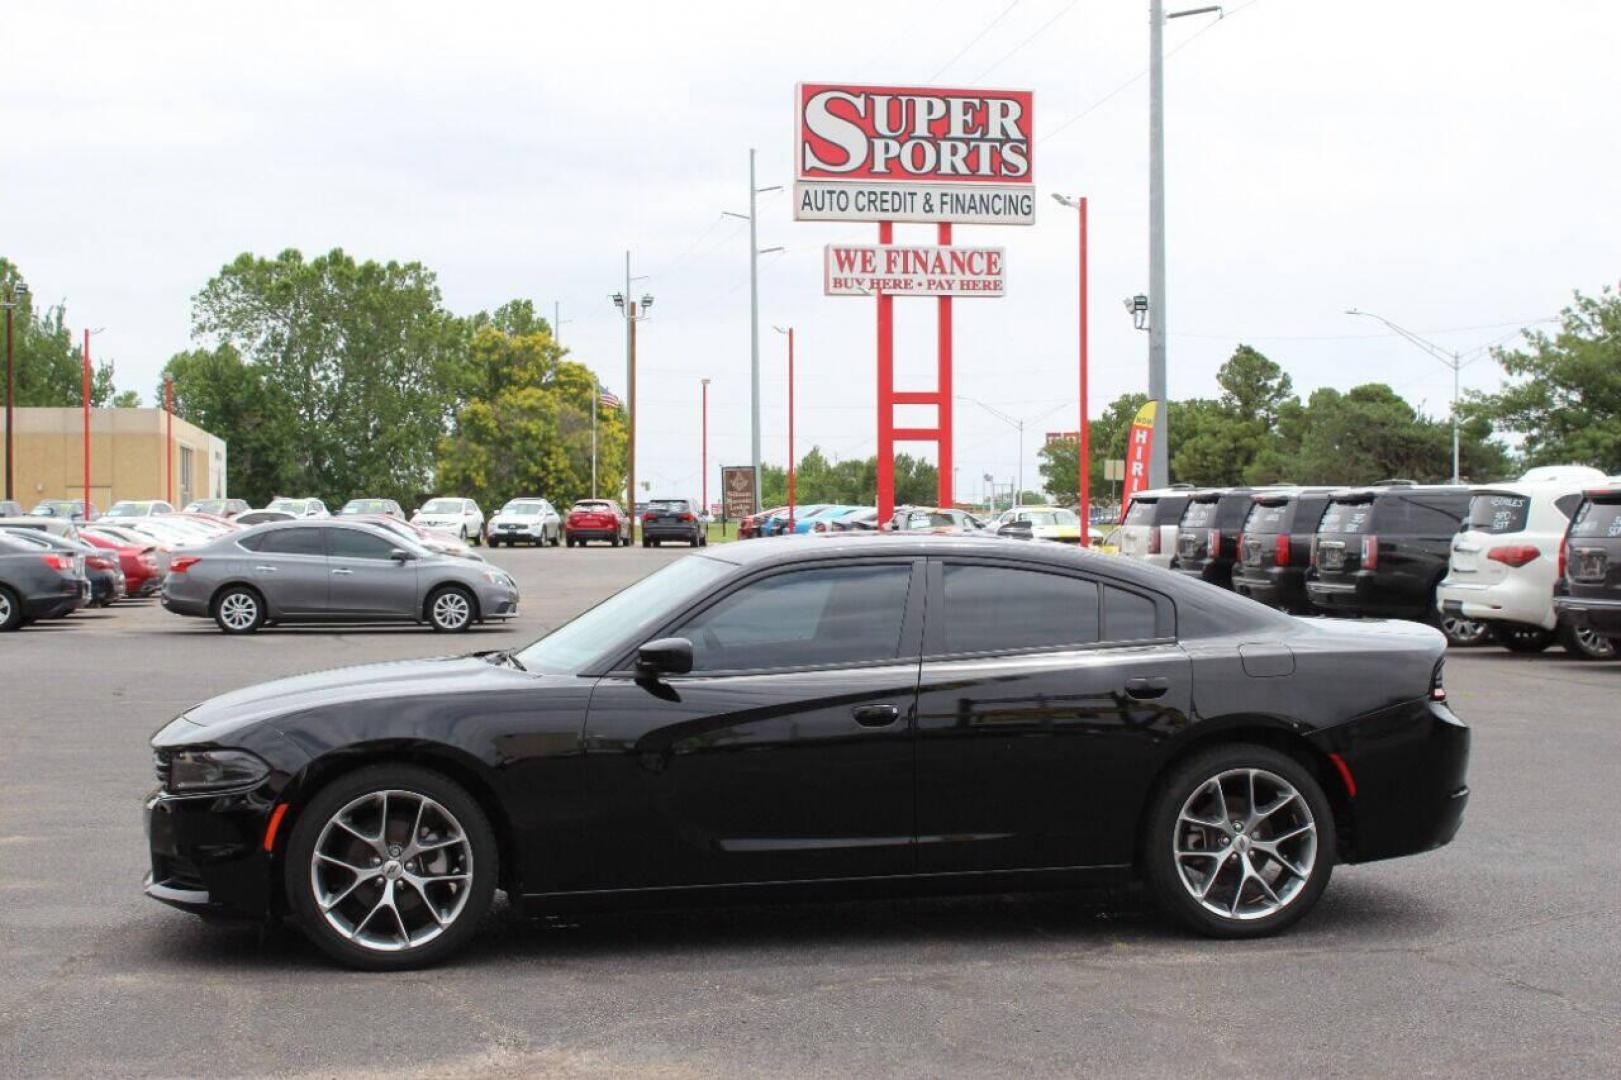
(1106, 541)
(1054, 523)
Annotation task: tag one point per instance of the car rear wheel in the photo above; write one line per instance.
(1463, 632)
(451, 609)
(1519, 638)
(1240, 842)
(391, 867)
(1586, 644)
(11, 610)
(239, 610)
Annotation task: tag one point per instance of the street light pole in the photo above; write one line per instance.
(754, 320)
(1083, 437)
(17, 292)
(1451, 360)
(627, 309)
(704, 455)
(790, 332)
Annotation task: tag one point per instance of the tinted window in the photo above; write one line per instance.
(1567, 504)
(354, 544)
(1498, 512)
(1601, 519)
(1128, 616)
(1199, 515)
(1141, 512)
(1421, 515)
(251, 541)
(839, 615)
(292, 542)
(1169, 511)
(1268, 518)
(989, 608)
(1346, 517)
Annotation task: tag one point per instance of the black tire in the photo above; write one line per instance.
(1519, 638)
(238, 609)
(449, 616)
(1185, 782)
(1586, 645)
(297, 874)
(11, 610)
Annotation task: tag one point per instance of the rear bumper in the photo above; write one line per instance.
(669, 532)
(1496, 603)
(1600, 616)
(1275, 586)
(1409, 765)
(594, 534)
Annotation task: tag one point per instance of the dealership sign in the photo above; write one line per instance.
(736, 491)
(910, 270)
(911, 154)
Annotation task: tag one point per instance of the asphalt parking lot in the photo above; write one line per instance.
(1500, 954)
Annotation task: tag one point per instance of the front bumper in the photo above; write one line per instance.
(1409, 765)
(207, 854)
(1600, 616)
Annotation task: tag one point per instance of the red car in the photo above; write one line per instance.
(597, 519)
(749, 527)
(139, 563)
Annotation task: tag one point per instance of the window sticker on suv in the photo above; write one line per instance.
(1498, 512)
(1267, 519)
(1346, 517)
(1141, 512)
(1199, 515)
(1598, 519)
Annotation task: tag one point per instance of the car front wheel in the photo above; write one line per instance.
(391, 867)
(451, 609)
(1240, 842)
(239, 610)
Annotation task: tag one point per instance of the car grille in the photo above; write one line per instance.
(177, 873)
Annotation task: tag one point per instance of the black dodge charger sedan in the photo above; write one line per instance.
(826, 714)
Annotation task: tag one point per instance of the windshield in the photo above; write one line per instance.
(1049, 517)
(522, 509)
(127, 509)
(1498, 512)
(365, 506)
(571, 646)
(442, 506)
(290, 506)
(55, 508)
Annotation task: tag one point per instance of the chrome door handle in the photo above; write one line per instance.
(341, 570)
(1147, 688)
(875, 715)
(265, 569)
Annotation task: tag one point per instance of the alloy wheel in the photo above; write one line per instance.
(451, 610)
(391, 870)
(1460, 631)
(1245, 844)
(1593, 646)
(238, 611)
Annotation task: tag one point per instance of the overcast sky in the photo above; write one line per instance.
(1450, 165)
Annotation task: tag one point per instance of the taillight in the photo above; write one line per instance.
(58, 562)
(688, 517)
(98, 562)
(1438, 692)
(1282, 557)
(149, 561)
(1213, 543)
(649, 516)
(182, 563)
(821, 526)
(1564, 558)
(1514, 554)
(1370, 553)
(1153, 540)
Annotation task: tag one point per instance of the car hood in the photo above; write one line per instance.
(220, 716)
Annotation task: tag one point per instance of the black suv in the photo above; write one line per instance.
(1207, 541)
(1381, 551)
(1274, 550)
(672, 519)
(1587, 594)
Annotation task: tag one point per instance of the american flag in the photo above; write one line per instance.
(608, 400)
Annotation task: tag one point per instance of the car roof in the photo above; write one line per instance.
(1399, 489)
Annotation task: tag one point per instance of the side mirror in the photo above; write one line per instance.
(1018, 530)
(666, 656)
(400, 555)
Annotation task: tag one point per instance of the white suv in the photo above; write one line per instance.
(459, 517)
(1152, 524)
(1505, 559)
(533, 521)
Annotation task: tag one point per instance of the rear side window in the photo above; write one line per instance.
(1268, 518)
(1498, 512)
(1170, 510)
(1567, 504)
(1199, 514)
(1597, 519)
(994, 608)
(1128, 616)
(1421, 515)
(293, 542)
(1346, 517)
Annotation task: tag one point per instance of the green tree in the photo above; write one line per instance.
(1563, 394)
(47, 361)
(220, 393)
(1107, 439)
(1370, 433)
(127, 399)
(361, 354)
(527, 428)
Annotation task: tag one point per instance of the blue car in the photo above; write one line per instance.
(777, 524)
(822, 519)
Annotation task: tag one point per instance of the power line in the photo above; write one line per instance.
(977, 37)
(1042, 29)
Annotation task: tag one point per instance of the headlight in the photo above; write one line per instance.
(499, 577)
(212, 770)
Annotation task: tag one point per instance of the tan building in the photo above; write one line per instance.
(130, 451)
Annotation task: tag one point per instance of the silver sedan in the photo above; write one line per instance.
(332, 571)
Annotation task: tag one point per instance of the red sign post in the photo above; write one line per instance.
(914, 154)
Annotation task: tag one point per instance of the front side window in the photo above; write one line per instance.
(995, 608)
(354, 544)
(804, 618)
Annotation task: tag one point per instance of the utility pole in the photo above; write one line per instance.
(703, 467)
(754, 319)
(1159, 453)
(627, 309)
(1450, 359)
(18, 292)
